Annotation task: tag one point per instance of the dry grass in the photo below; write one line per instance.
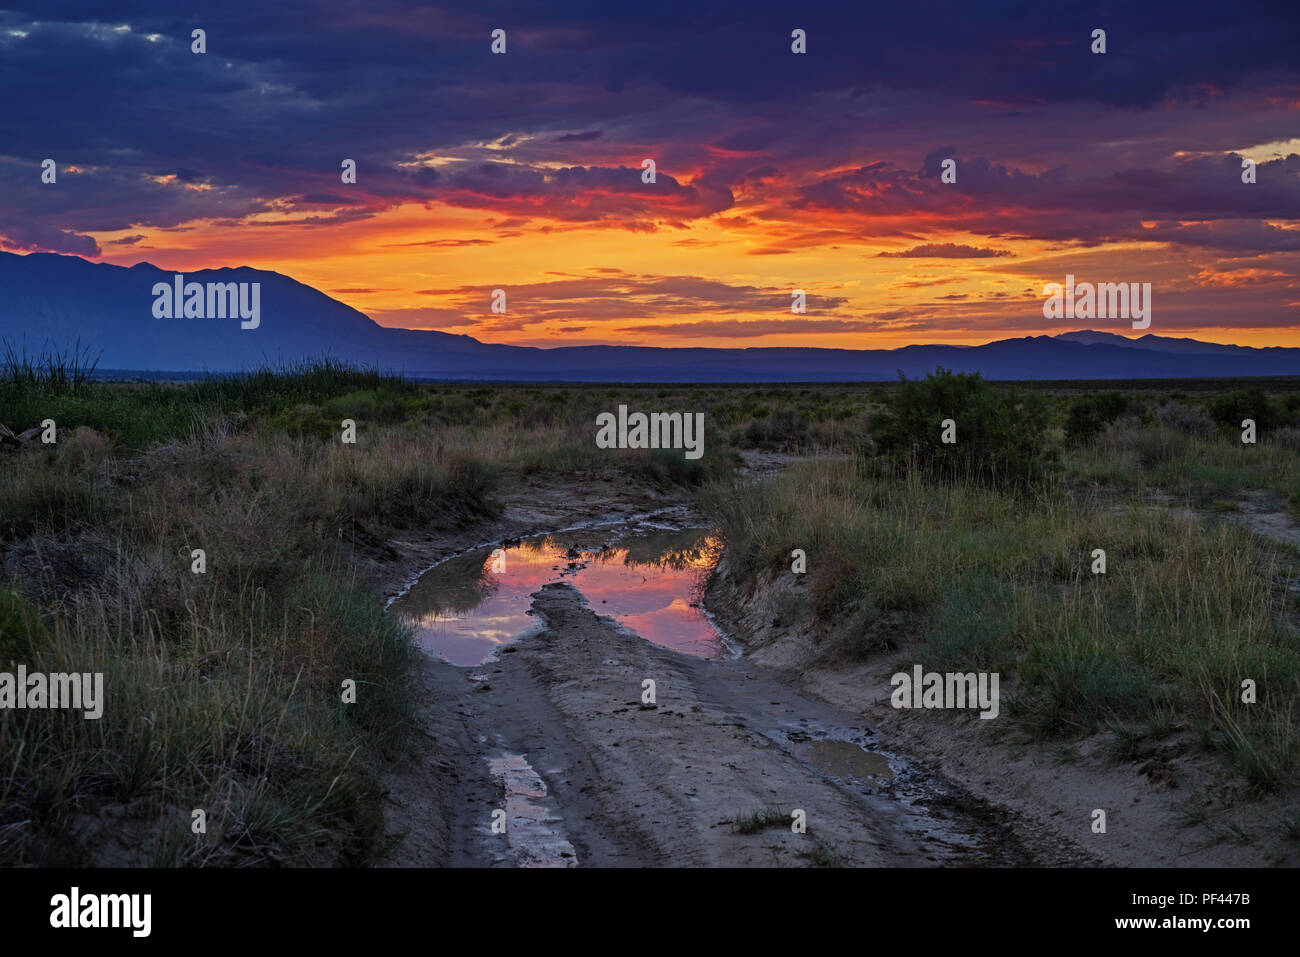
(223, 689)
(1187, 608)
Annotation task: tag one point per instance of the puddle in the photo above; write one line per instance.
(647, 578)
(532, 829)
(842, 759)
(929, 811)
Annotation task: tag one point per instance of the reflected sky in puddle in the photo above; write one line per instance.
(534, 830)
(467, 608)
(841, 759)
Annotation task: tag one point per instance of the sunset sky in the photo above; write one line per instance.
(775, 171)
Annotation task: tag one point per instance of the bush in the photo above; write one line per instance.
(1090, 414)
(667, 467)
(1000, 432)
(1229, 410)
(1291, 403)
(783, 429)
(1188, 419)
(1152, 446)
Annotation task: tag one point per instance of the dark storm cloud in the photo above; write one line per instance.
(286, 91)
(1074, 206)
(35, 237)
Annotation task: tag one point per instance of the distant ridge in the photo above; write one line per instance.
(1157, 343)
(54, 299)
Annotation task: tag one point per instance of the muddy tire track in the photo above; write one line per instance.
(661, 786)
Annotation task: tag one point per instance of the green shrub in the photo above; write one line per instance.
(1229, 410)
(1090, 414)
(783, 429)
(1000, 432)
(668, 467)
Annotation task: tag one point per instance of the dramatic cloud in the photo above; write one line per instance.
(945, 251)
(774, 171)
(37, 237)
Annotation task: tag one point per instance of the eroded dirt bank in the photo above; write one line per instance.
(1156, 811)
(554, 732)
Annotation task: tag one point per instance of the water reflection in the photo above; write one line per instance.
(650, 580)
(842, 759)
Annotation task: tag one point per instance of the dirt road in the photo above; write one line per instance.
(633, 785)
(554, 738)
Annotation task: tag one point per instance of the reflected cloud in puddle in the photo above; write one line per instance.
(465, 609)
(534, 831)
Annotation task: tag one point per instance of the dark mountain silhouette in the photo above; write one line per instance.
(53, 300)
(1155, 343)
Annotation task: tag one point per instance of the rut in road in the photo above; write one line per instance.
(554, 734)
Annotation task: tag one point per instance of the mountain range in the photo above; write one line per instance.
(49, 300)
